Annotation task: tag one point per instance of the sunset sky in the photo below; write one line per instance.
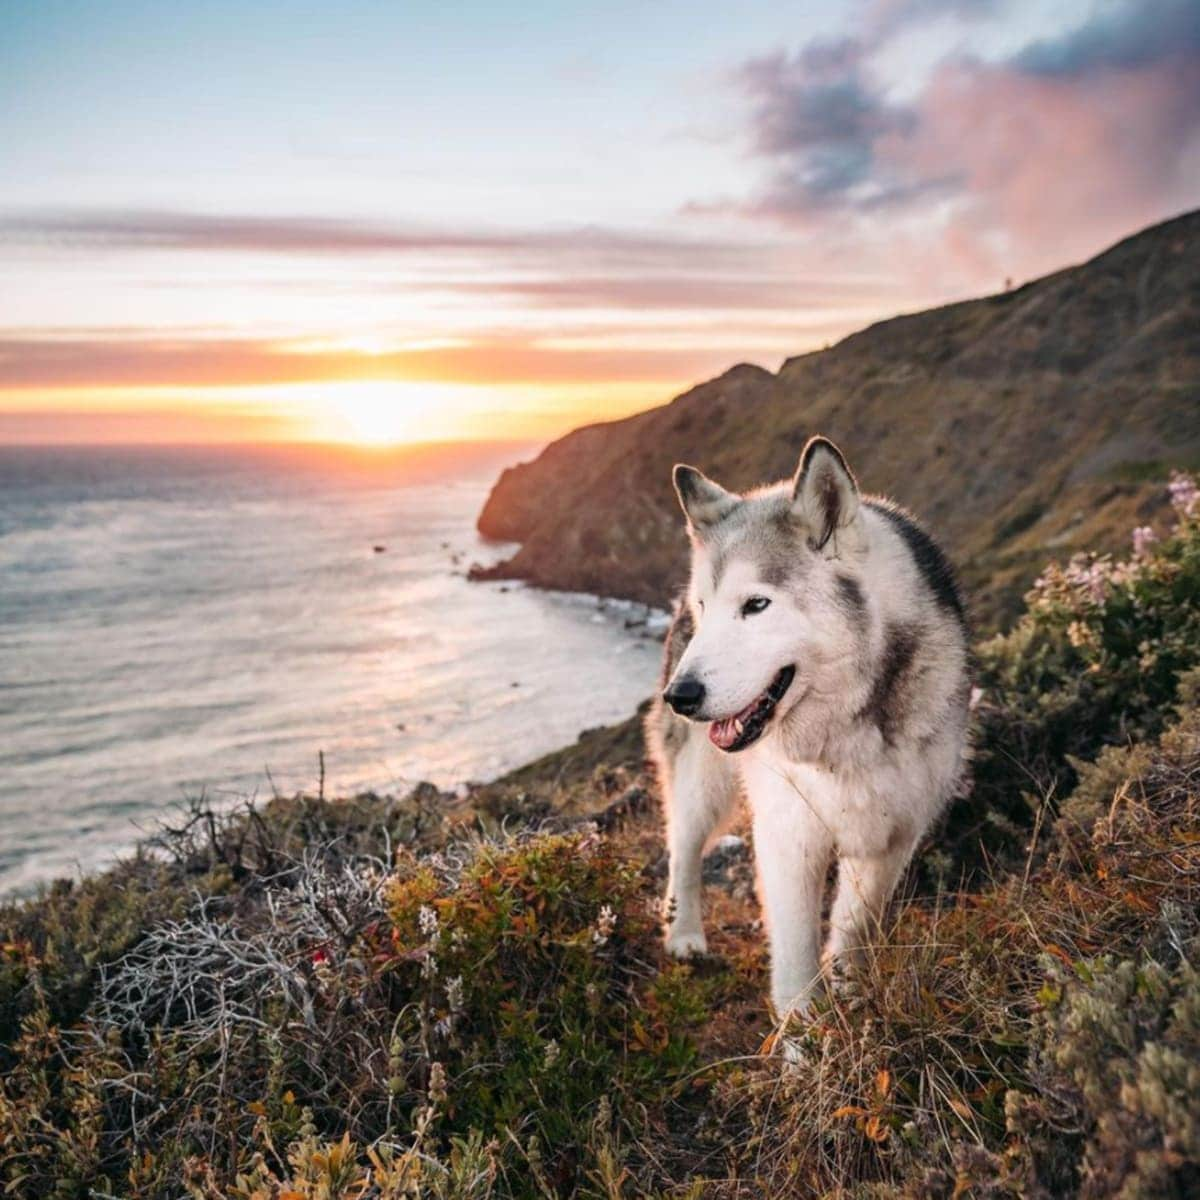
(382, 220)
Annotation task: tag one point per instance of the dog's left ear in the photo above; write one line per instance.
(824, 493)
(704, 503)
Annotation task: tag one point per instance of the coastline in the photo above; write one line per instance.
(215, 627)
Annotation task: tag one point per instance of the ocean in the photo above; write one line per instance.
(179, 621)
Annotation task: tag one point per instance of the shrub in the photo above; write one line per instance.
(533, 981)
(1122, 1050)
(495, 1013)
(50, 952)
(1095, 660)
(53, 950)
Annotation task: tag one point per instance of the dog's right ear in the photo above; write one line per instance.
(824, 494)
(703, 502)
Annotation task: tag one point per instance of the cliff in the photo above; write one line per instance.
(1031, 423)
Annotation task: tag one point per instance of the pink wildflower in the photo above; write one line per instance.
(1143, 538)
(1183, 492)
(1089, 576)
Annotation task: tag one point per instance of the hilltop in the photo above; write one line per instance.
(1023, 425)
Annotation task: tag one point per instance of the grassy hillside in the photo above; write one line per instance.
(1036, 422)
(467, 999)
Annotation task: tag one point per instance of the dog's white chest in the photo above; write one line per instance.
(851, 808)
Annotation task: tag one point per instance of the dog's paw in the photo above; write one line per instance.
(792, 1049)
(684, 944)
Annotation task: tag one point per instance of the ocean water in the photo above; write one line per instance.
(179, 621)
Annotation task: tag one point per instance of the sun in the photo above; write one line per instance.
(375, 413)
(380, 414)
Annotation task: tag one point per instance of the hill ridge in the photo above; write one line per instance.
(1019, 425)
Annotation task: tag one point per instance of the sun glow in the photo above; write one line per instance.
(386, 413)
(379, 415)
(368, 413)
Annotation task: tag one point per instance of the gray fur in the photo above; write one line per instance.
(762, 527)
(678, 636)
(824, 488)
(934, 566)
(853, 599)
(704, 502)
(891, 696)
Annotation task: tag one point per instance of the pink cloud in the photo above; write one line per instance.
(1051, 166)
(991, 170)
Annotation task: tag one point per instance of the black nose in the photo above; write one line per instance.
(685, 696)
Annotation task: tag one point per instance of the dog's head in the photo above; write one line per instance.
(776, 598)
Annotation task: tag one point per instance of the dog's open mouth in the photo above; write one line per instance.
(743, 728)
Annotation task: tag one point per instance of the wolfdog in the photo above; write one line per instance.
(819, 664)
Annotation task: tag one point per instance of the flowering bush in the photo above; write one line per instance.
(530, 978)
(1095, 660)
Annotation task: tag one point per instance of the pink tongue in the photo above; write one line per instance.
(724, 733)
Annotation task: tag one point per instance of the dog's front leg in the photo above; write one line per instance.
(793, 850)
(702, 789)
(865, 886)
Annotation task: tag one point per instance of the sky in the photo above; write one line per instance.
(381, 220)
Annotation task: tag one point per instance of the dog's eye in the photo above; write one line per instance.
(754, 605)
